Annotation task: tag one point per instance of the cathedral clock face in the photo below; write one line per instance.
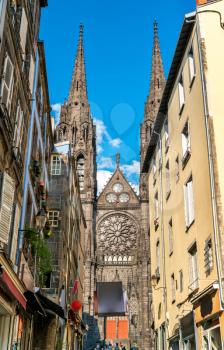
(124, 197)
(111, 197)
(117, 187)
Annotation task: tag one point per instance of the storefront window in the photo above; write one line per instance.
(212, 339)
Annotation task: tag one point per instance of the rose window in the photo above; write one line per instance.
(117, 234)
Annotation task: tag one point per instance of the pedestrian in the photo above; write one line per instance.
(116, 347)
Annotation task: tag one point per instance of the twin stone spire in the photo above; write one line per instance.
(76, 110)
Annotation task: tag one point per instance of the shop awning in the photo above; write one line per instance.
(13, 290)
(37, 302)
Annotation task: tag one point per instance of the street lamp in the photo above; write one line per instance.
(154, 281)
(41, 219)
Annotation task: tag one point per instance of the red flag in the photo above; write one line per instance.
(75, 287)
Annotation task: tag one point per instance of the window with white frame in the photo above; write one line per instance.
(181, 280)
(154, 166)
(189, 202)
(166, 132)
(7, 83)
(173, 289)
(18, 129)
(208, 256)
(181, 93)
(170, 232)
(186, 142)
(193, 267)
(191, 65)
(55, 165)
(53, 218)
(167, 173)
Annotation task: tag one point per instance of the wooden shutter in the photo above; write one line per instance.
(6, 205)
(7, 82)
(186, 205)
(184, 144)
(181, 94)
(191, 66)
(190, 201)
(23, 31)
(15, 234)
(31, 73)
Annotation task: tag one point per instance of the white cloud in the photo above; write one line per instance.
(103, 177)
(115, 142)
(135, 188)
(105, 162)
(131, 169)
(102, 134)
(56, 108)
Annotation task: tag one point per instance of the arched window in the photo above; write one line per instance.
(81, 171)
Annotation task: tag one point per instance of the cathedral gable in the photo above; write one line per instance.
(118, 192)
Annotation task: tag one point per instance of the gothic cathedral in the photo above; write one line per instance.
(117, 234)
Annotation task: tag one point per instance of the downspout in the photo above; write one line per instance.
(211, 167)
(27, 164)
(163, 237)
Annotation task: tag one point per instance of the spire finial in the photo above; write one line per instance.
(81, 29)
(157, 81)
(118, 157)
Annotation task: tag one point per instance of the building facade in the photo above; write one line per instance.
(185, 192)
(19, 30)
(118, 231)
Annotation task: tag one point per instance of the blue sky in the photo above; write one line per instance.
(118, 48)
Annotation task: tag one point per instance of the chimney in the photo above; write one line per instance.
(201, 2)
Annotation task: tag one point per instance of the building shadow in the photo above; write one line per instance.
(92, 336)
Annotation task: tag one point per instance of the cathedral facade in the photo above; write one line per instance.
(117, 233)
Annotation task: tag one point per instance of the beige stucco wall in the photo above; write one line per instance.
(202, 228)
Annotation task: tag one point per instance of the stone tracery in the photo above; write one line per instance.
(117, 234)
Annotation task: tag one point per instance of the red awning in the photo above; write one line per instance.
(13, 289)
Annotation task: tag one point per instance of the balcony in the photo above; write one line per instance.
(194, 285)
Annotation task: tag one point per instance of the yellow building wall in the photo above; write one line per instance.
(202, 228)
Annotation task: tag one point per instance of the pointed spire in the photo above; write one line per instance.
(157, 81)
(118, 157)
(78, 90)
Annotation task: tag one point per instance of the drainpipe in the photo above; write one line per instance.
(163, 236)
(211, 169)
(27, 164)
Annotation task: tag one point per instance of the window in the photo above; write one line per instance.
(166, 131)
(55, 165)
(53, 218)
(18, 130)
(191, 65)
(193, 268)
(7, 189)
(208, 256)
(181, 280)
(173, 289)
(186, 143)
(167, 172)
(7, 83)
(181, 93)
(158, 259)
(170, 232)
(154, 166)
(189, 202)
(177, 169)
(156, 211)
(23, 30)
(81, 171)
